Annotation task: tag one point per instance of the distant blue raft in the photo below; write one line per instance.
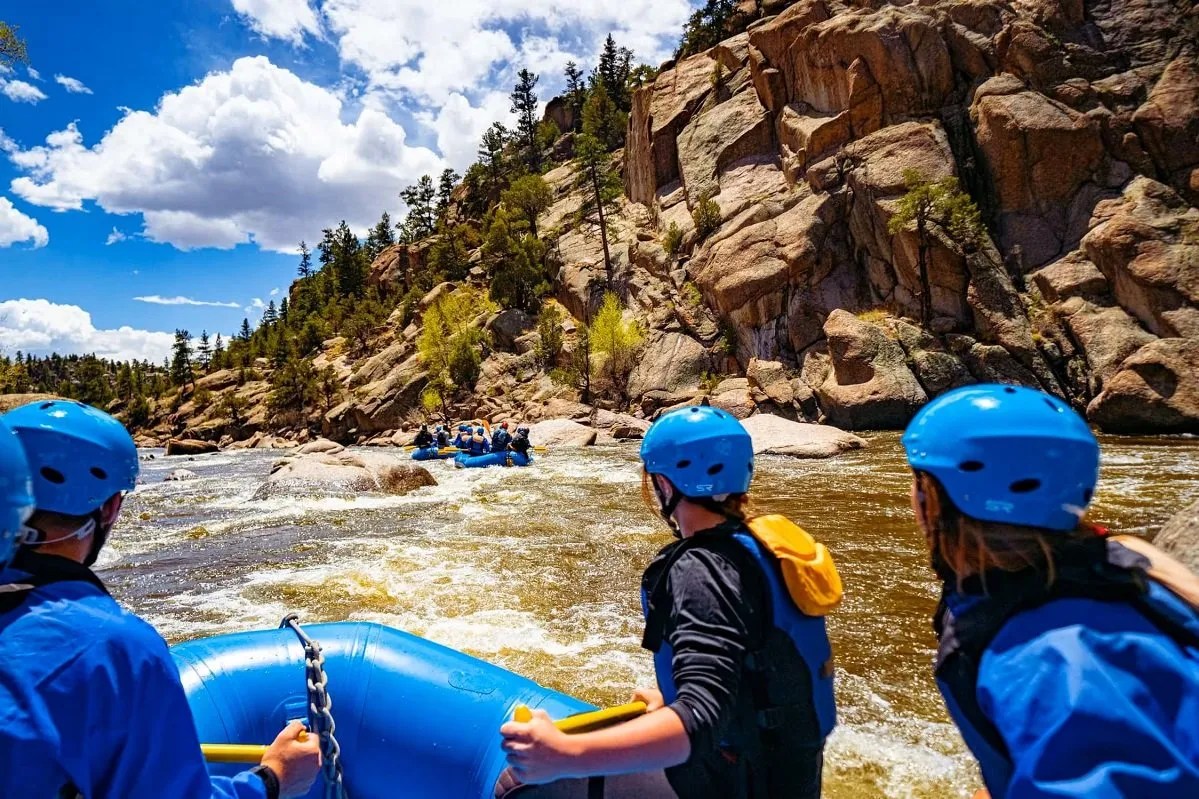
(432, 454)
(414, 719)
(509, 458)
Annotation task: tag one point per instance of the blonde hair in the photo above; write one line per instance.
(967, 546)
(734, 506)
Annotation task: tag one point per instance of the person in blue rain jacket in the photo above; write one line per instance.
(90, 700)
(1068, 658)
(480, 444)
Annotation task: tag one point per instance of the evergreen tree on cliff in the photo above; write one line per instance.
(12, 47)
(380, 237)
(204, 352)
(615, 66)
(305, 268)
(706, 27)
(602, 189)
(445, 191)
(491, 159)
(524, 106)
(422, 211)
(603, 120)
(181, 359)
(576, 92)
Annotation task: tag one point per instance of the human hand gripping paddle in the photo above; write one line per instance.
(294, 757)
(534, 730)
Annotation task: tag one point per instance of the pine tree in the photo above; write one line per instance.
(516, 263)
(181, 359)
(270, 315)
(491, 157)
(284, 310)
(204, 352)
(576, 92)
(245, 332)
(528, 196)
(706, 27)
(445, 191)
(305, 269)
(349, 262)
(380, 237)
(525, 106)
(218, 353)
(602, 189)
(603, 120)
(422, 212)
(613, 72)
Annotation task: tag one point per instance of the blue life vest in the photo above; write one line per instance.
(808, 635)
(966, 624)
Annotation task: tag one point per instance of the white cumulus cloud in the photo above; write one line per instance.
(115, 237)
(33, 73)
(72, 85)
(154, 299)
(289, 20)
(41, 327)
(254, 153)
(17, 227)
(21, 92)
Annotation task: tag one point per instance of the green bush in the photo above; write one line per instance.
(706, 216)
(673, 240)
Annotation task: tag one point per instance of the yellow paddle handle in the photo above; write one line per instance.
(239, 753)
(586, 722)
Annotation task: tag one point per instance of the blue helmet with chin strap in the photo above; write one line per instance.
(1007, 454)
(79, 456)
(16, 493)
(703, 451)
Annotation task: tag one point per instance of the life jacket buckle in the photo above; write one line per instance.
(772, 718)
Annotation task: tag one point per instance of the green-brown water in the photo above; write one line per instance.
(538, 570)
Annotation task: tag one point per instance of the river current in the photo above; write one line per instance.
(538, 570)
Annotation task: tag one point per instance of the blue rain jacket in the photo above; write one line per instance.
(90, 697)
(1092, 699)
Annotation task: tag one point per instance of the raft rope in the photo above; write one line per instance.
(320, 709)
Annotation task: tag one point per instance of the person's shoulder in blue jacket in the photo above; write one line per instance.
(1093, 700)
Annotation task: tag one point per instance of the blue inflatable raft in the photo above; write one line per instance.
(432, 454)
(464, 461)
(414, 719)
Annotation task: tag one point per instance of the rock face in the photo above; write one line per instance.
(561, 433)
(670, 368)
(774, 435)
(1180, 536)
(870, 385)
(1156, 390)
(190, 447)
(346, 473)
(320, 445)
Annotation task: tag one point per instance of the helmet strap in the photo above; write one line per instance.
(31, 536)
(668, 505)
(99, 539)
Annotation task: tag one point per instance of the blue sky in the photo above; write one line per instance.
(158, 155)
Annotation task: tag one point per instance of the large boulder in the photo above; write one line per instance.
(345, 473)
(775, 435)
(1155, 391)
(187, 446)
(179, 476)
(1040, 154)
(1147, 246)
(1180, 536)
(670, 368)
(320, 445)
(1168, 123)
(729, 132)
(507, 326)
(870, 385)
(561, 433)
(1107, 337)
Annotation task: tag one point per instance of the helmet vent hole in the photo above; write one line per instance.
(715, 469)
(750, 467)
(1054, 405)
(683, 464)
(99, 473)
(971, 466)
(1025, 486)
(45, 406)
(1009, 390)
(53, 475)
(1086, 496)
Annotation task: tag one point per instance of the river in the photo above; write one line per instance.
(538, 569)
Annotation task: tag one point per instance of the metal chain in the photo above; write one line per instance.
(320, 708)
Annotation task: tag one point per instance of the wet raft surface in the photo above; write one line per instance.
(537, 570)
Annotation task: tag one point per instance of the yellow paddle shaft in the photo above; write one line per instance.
(239, 753)
(587, 722)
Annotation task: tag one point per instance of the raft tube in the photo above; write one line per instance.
(465, 461)
(433, 454)
(414, 718)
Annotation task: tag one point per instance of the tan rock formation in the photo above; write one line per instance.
(1156, 390)
(870, 385)
(774, 435)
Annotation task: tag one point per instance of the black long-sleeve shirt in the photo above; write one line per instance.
(716, 607)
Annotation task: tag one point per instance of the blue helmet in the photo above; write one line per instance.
(16, 493)
(1007, 454)
(78, 456)
(463, 428)
(703, 451)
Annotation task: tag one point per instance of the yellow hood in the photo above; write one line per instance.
(808, 570)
